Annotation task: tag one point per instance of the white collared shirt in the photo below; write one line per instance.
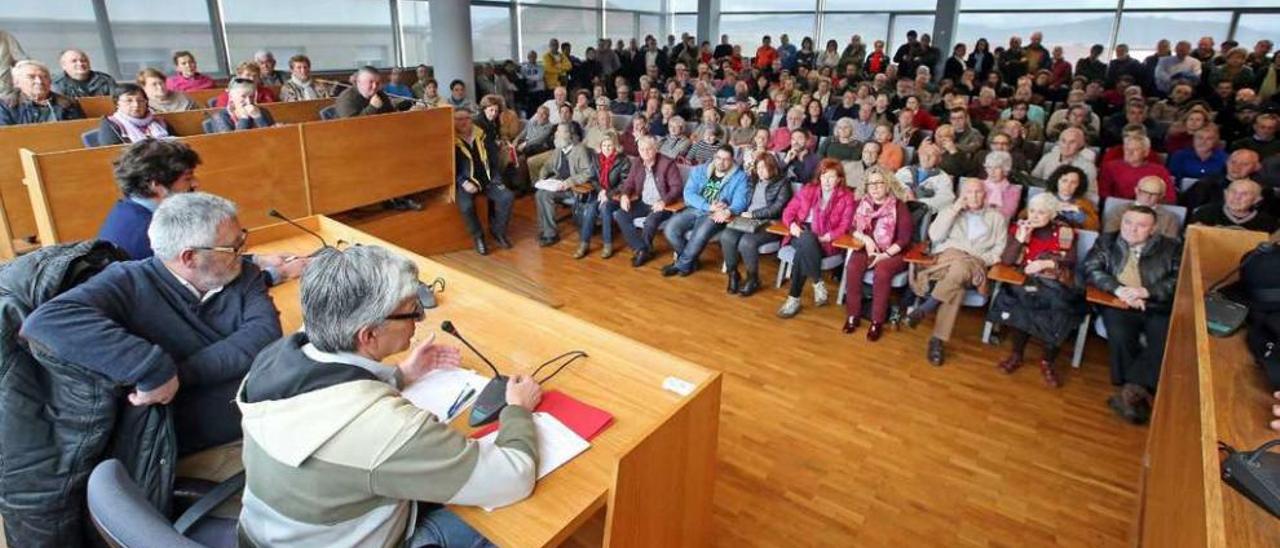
(385, 373)
(193, 289)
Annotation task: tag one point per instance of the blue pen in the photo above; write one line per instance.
(457, 403)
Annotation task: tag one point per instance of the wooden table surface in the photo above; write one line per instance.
(621, 376)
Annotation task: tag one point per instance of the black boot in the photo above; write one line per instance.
(481, 247)
(734, 281)
(750, 286)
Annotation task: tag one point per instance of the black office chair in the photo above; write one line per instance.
(126, 519)
(329, 113)
(90, 139)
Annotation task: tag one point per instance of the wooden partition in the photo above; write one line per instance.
(18, 222)
(297, 169)
(72, 191)
(96, 107)
(345, 172)
(202, 96)
(1210, 390)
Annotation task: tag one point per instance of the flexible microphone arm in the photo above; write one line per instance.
(276, 214)
(448, 327)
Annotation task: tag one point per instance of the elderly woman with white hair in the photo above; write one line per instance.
(841, 145)
(1049, 304)
(242, 111)
(676, 143)
(1001, 193)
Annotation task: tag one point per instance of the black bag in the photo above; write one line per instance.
(1255, 474)
(1225, 311)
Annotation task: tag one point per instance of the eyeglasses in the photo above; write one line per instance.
(419, 313)
(235, 249)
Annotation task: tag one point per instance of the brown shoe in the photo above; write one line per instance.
(1010, 364)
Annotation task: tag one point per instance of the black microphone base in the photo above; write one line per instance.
(490, 403)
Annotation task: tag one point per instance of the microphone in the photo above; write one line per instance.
(493, 397)
(276, 214)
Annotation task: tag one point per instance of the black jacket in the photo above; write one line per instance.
(776, 196)
(57, 420)
(1159, 264)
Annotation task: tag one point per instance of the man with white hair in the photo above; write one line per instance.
(335, 456)
(267, 63)
(78, 79)
(1120, 178)
(34, 102)
(191, 317)
(1239, 208)
(1070, 151)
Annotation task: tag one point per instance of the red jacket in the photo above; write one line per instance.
(665, 173)
(1120, 180)
(765, 56)
(834, 220)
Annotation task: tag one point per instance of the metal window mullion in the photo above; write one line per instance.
(818, 9)
(517, 31)
(604, 29)
(1115, 29)
(108, 39)
(397, 34)
(219, 30)
(1235, 23)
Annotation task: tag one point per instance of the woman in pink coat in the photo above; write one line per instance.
(815, 217)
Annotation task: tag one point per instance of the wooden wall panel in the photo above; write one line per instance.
(16, 208)
(346, 171)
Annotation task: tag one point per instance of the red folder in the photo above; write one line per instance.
(585, 420)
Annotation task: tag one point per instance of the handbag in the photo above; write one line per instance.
(749, 226)
(1255, 474)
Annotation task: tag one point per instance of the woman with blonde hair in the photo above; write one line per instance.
(882, 223)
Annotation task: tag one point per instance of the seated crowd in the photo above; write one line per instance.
(883, 171)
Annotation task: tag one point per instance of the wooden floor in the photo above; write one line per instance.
(829, 440)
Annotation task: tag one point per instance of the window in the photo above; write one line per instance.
(682, 24)
(581, 28)
(685, 6)
(415, 27)
(1256, 26)
(638, 5)
(1010, 5)
(619, 25)
(878, 5)
(650, 24)
(922, 24)
(735, 6)
(335, 34)
(46, 28)
(490, 33)
(1076, 32)
(1141, 31)
(1217, 4)
(842, 26)
(573, 3)
(748, 30)
(148, 31)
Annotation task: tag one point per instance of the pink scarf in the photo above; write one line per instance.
(138, 129)
(879, 221)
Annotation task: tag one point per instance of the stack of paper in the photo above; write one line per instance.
(439, 390)
(557, 444)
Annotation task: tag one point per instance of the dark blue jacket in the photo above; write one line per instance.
(135, 323)
(126, 226)
(15, 110)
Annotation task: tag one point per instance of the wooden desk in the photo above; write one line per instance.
(1210, 390)
(652, 470)
(844, 241)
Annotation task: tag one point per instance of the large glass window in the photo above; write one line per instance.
(682, 24)
(335, 34)
(735, 6)
(842, 26)
(1025, 5)
(873, 5)
(46, 28)
(490, 33)
(1140, 31)
(902, 24)
(650, 24)
(748, 30)
(1201, 4)
(1076, 32)
(619, 25)
(637, 5)
(148, 31)
(581, 28)
(1257, 26)
(415, 27)
(575, 3)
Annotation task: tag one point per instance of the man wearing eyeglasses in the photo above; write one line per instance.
(1149, 192)
(178, 329)
(335, 456)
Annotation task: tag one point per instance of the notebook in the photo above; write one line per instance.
(557, 444)
(439, 389)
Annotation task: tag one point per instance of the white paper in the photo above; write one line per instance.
(557, 444)
(440, 388)
(551, 185)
